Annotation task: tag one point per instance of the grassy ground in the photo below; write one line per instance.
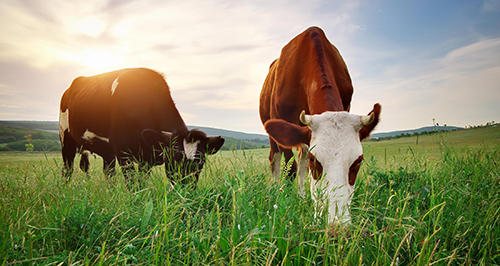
(390, 153)
(412, 205)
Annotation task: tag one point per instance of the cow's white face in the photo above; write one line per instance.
(183, 154)
(335, 154)
(335, 151)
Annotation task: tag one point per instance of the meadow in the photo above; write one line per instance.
(434, 201)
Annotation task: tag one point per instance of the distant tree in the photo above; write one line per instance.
(29, 146)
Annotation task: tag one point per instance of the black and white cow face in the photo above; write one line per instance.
(184, 155)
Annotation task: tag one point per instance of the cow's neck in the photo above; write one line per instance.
(173, 121)
(323, 90)
(325, 97)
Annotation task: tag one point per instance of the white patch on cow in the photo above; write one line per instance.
(89, 136)
(190, 149)
(336, 145)
(63, 124)
(113, 87)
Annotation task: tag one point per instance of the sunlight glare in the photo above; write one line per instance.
(98, 60)
(90, 26)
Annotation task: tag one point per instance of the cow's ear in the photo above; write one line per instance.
(366, 130)
(166, 136)
(155, 139)
(286, 134)
(214, 144)
(151, 137)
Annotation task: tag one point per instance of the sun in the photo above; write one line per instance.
(98, 60)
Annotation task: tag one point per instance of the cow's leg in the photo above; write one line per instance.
(302, 169)
(288, 154)
(145, 168)
(109, 165)
(84, 161)
(68, 150)
(127, 165)
(275, 159)
(144, 171)
(316, 196)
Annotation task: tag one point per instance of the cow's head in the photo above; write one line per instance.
(335, 152)
(183, 154)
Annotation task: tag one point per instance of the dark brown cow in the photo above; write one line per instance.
(129, 115)
(304, 104)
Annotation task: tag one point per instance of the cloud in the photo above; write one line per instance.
(491, 6)
(455, 89)
(215, 54)
(477, 56)
(193, 27)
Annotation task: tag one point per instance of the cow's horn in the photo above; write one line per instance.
(367, 119)
(167, 135)
(305, 119)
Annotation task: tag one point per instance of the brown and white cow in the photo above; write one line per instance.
(305, 104)
(130, 116)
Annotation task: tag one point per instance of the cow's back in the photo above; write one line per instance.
(309, 75)
(142, 101)
(87, 104)
(117, 106)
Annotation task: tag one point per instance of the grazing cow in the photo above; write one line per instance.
(304, 104)
(129, 115)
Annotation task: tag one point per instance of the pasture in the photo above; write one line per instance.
(432, 203)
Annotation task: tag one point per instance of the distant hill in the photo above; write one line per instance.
(412, 131)
(54, 126)
(229, 133)
(15, 138)
(38, 125)
(45, 136)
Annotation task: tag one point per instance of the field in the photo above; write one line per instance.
(435, 202)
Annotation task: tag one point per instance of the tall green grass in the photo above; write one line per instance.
(440, 211)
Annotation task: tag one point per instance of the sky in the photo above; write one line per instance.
(421, 60)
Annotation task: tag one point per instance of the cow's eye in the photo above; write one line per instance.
(359, 160)
(312, 159)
